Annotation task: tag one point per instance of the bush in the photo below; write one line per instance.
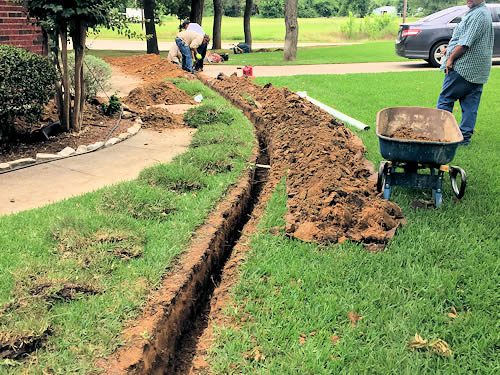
(27, 82)
(371, 27)
(113, 106)
(96, 74)
(207, 114)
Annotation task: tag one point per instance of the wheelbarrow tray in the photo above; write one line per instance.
(436, 135)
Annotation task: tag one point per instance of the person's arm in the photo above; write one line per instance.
(457, 53)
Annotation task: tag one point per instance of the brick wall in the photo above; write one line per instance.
(16, 30)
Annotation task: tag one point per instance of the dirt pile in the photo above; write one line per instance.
(151, 68)
(410, 134)
(159, 118)
(330, 184)
(148, 101)
(157, 93)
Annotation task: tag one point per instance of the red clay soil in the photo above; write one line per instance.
(147, 101)
(330, 184)
(408, 133)
(151, 68)
(96, 127)
(159, 119)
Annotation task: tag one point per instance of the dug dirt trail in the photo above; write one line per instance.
(331, 199)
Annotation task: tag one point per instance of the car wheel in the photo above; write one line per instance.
(437, 54)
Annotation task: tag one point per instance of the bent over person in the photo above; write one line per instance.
(467, 65)
(188, 42)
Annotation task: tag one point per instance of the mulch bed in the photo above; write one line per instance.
(96, 127)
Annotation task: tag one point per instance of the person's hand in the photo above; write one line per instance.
(449, 66)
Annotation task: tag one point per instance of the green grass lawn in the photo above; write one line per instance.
(118, 242)
(356, 53)
(290, 309)
(263, 30)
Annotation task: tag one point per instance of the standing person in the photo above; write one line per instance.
(188, 42)
(467, 65)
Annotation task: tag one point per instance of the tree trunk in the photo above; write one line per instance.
(79, 39)
(196, 14)
(217, 34)
(246, 22)
(292, 30)
(149, 16)
(405, 10)
(66, 112)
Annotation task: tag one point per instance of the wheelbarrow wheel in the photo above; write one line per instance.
(382, 172)
(458, 185)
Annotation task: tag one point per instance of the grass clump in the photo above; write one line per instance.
(207, 114)
(139, 201)
(213, 159)
(179, 178)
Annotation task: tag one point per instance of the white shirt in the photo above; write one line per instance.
(196, 28)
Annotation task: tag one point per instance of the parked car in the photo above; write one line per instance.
(428, 38)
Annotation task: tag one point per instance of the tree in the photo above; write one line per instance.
(149, 19)
(246, 22)
(180, 8)
(271, 8)
(232, 8)
(196, 14)
(217, 34)
(71, 19)
(292, 30)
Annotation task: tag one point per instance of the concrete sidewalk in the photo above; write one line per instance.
(46, 183)
(140, 45)
(294, 70)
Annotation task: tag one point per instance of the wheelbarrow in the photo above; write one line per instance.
(418, 143)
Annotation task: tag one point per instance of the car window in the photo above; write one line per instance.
(495, 13)
(456, 20)
(449, 12)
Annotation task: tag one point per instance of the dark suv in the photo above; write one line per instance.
(426, 39)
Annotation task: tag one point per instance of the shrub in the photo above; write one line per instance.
(27, 82)
(113, 106)
(371, 27)
(96, 74)
(207, 114)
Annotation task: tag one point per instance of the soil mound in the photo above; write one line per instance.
(147, 101)
(157, 93)
(151, 68)
(159, 118)
(330, 184)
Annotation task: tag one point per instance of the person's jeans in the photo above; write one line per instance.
(455, 87)
(202, 50)
(187, 60)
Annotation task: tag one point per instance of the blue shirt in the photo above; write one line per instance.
(475, 31)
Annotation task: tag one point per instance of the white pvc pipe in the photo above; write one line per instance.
(341, 116)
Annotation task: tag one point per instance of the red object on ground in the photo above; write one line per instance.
(248, 71)
(16, 29)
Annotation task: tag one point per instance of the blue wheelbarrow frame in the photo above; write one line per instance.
(414, 163)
